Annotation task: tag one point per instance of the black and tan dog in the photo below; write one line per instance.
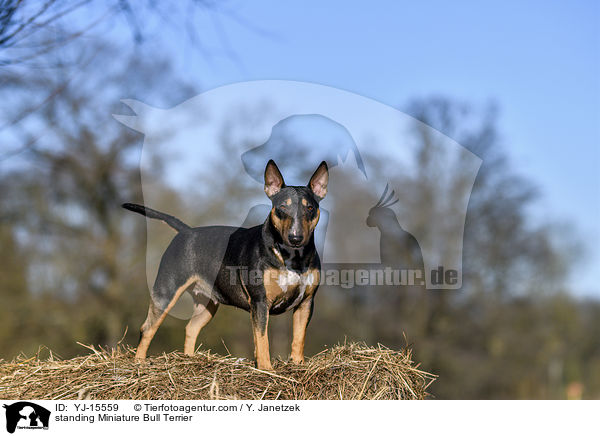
(265, 270)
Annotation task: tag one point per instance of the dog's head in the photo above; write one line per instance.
(295, 209)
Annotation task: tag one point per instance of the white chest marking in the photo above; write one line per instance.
(288, 279)
(291, 280)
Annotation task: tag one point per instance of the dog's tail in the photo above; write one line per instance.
(178, 225)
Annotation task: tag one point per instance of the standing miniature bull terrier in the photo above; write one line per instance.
(265, 270)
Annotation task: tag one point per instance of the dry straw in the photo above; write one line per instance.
(349, 371)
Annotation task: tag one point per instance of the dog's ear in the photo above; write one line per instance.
(273, 179)
(318, 181)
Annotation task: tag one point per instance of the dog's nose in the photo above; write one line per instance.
(295, 239)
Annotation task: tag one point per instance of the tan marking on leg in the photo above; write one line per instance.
(301, 315)
(246, 293)
(153, 314)
(202, 315)
(154, 324)
(261, 345)
(300, 320)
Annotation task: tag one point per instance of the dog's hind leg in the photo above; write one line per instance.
(148, 330)
(203, 313)
(155, 318)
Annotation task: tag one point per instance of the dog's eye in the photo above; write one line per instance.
(310, 208)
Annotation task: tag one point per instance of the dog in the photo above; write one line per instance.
(265, 270)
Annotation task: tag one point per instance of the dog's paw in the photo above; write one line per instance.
(265, 366)
(140, 357)
(298, 360)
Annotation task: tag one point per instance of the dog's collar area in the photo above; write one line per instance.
(296, 259)
(289, 252)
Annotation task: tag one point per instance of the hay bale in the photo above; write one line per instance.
(346, 371)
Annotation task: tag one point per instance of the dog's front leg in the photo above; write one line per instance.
(260, 323)
(302, 315)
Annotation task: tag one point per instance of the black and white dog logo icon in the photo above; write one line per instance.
(26, 415)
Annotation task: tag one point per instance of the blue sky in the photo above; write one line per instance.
(539, 61)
